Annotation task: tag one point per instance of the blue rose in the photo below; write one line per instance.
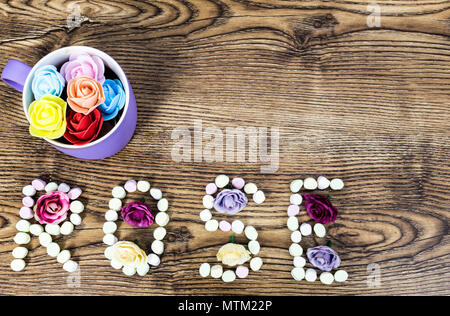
(114, 99)
(47, 80)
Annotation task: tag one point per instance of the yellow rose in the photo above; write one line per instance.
(48, 117)
(128, 254)
(233, 254)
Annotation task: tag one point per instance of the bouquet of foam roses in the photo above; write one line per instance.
(92, 100)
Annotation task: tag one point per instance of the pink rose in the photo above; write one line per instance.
(83, 64)
(52, 208)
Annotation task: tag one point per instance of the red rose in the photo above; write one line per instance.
(319, 208)
(83, 129)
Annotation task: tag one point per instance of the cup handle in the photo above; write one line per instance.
(15, 74)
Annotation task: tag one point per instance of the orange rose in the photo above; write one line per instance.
(84, 94)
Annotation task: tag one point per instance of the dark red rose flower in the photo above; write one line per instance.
(83, 129)
(319, 208)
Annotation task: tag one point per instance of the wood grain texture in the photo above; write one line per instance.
(368, 105)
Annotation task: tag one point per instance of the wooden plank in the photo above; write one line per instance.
(366, 104)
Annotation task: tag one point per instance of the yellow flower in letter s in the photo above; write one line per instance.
(128, 254)
(233, 254)
(48, 117)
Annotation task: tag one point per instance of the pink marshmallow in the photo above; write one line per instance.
(28, 201)
(238, 183)
(38, 184)
(26, 213)
(211, 188)
(130, 186)
(293, 210)
(225, 226)
(242, 272)
(74, 193)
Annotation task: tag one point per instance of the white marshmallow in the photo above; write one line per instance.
(296, 185)
(237, 226)
(110, 239)
(204, 269)
(254, 247)
(115, 204)
(311, 275)
(53, 229)
(320, 230)
(18, 265)
(322, 183)
(228, 276)
(67, 228)
(250, 188)
(340, 276)
(159, 233)
(222, 180)
(45, 239)
(119, 192)
(259, 197)
(162, 219)
(22, 238)
(53, 249)
(212, 225)
(75, 219)
(63, 256)
(205, 215)
(208, 201)
(326, 278)
(70, 266)
(109, 227)
(143, 269)
(298, 274)
(296, 199)
(143, 186)
(296, 236)
(20, 252)
(51, 186)
(299, 262)
(305, 229)
(216, 271)
(310, 184)
(256, 264)
(156, 193)
(23, 226)
(292, 223)
(153, 260)
(337, 184)
(163, 205)
(157, 247)
(36, 229)
(111, 216)
(251, 233)
(295, 250)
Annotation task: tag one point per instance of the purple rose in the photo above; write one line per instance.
(323, 258)
(230, 201)
(319, 208)
(137, 214)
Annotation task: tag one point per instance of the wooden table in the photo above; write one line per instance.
(351, 98)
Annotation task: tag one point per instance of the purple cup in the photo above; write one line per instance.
(19, 76)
